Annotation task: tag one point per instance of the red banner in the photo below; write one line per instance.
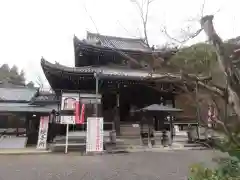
(79, 118)
(77, 113)
(82, 114)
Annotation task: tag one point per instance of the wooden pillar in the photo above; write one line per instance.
(27, 127)
(171, 129)
(117, 112)
(172, 118)
(173, 101)
(96, 103)
(198, 113)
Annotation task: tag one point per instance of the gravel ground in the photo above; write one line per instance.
(172, 165)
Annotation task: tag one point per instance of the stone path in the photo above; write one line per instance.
(169, 165)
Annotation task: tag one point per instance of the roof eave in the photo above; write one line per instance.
(84, 45)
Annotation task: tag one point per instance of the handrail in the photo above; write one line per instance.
(2, 134)
(14, 132)
(104, 123)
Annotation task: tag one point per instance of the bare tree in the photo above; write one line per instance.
(39, 81)
(225, 63)
(143, 8)
(227, 68)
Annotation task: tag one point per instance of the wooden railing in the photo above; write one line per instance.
(107, 126)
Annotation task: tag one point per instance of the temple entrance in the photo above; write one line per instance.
(136, 97)
(120, 108)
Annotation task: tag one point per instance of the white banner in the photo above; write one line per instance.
(43, 132)
(68, 103)
(94, 134)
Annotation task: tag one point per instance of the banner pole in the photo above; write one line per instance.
(66, 144)
(96, 103)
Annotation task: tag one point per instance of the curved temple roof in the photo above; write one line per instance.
(104, 72)
(107, 43)
(135, 44)
(20, 94)
(116, 45)
(111, 49)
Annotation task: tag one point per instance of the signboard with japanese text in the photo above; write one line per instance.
(67, 119)
(43, 132)
(94, 134)
(68, 103)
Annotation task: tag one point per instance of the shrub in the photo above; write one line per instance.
(227, 169)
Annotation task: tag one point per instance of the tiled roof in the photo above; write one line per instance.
(44, 98)
(108, 72)
(235, 40)
(17, 94)
(157, 107)
(49, 97)
(25, 107)
(117, 42)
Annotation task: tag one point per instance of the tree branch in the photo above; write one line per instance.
(90, 17)
(224, 61)
(39, 82)
(221, 121)
(188, 37)
(144, 16)
(202, 9)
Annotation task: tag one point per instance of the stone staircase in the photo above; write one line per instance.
(12, 142)
(129, 138)
(182, 139)
(77, 142)
(74, 144)
(123, 144)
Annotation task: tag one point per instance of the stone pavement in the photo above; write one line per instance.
(29, 150)
(168, 165)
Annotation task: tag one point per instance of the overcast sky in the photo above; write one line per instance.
(31, 29)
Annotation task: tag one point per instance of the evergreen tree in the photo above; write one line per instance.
(4, 72)
(30, 84)
(11, 75)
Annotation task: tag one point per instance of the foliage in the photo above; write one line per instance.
(198, 58)
(30, 84)
(228, 145)
(12, 75)
(227, 169)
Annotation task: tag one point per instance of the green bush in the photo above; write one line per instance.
(225, 145)
(199, 172)
(227, 169)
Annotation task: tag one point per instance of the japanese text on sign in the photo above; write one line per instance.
(94, 134)
(43, 132)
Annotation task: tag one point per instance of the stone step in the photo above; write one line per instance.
(195, 145)
(192, 145)
(11, 142)
(63, 141)
(128, 137)
(71, 148)
(128, 141)
(76, 139)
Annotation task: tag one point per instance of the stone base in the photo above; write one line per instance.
(23, 151)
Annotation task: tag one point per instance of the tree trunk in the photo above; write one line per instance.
(225, 63)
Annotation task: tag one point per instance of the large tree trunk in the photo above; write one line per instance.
(225, 63)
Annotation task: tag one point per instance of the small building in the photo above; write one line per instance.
(20, 111)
